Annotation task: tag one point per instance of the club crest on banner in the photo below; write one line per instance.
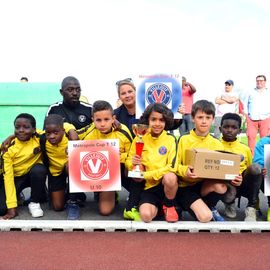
(94, 165)
(159, 88)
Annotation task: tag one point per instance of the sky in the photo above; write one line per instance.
(100, 42)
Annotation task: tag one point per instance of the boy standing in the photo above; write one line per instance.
(196, 195)
(251, 173)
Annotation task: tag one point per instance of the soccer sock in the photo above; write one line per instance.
(136, 189)
(168, 202)
(212, 199)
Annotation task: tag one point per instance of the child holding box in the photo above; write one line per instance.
(196, 195)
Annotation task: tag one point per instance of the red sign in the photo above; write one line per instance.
(94, 165)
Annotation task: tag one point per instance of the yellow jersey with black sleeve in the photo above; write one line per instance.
(18, 160)
(83, 132)
(123, 135)
(239, 148)
(189, 141)
(159, 156)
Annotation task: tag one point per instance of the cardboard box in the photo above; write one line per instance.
(213, 164)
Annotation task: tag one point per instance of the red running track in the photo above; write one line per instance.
(140, 250)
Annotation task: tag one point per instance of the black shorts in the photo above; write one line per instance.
(186, 196)
(57, 183)
(154, 195)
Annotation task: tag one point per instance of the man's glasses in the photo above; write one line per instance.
(260, 80)
(123, 81)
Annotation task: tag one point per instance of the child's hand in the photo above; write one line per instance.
(264, 172)
(11, 213)
(190, 173)
(237, 180)
(136, 160)
(116, 125)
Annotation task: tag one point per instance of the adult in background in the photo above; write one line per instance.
(79, 114)
(73, 110)
(188, 90)
(226, 102)
(257, 111)
(126, 113)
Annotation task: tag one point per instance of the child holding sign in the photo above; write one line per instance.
(102, 128)
(159, 159)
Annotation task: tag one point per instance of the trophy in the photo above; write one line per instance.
(139, 130)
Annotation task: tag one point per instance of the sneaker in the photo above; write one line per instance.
(216, 215)
(230, 210)
(250, 213)
(132, 214)
(73, 211)
(35, 210)
(268, 214)
(170, 213)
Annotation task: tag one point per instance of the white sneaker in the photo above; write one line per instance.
(230, 210)
(250, 213)
(35, 210)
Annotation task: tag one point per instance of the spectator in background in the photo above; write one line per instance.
(226, 102)
(24, 80)
(257, 111)
(188, 90)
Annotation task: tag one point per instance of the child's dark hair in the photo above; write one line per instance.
(231, 116)
(27, 116)
(204, 106)
(54, 119)
(160, 108)
(102, 105)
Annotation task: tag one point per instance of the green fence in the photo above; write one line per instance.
(33, 98)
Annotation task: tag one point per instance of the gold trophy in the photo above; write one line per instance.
(139, 130)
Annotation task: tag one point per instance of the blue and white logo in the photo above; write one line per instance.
(159, 88)
(158, 93)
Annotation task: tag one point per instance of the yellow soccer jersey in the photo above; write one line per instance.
(18, 160)
(123, 135)
(241, 149)
(83, 132)
(159, 157)
(57, 155)
(190, 141)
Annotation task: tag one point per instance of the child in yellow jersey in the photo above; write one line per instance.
(251, 173)
(23, 168)
(196, 195)
(159, 158)
(102, 128)
(54, 145)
